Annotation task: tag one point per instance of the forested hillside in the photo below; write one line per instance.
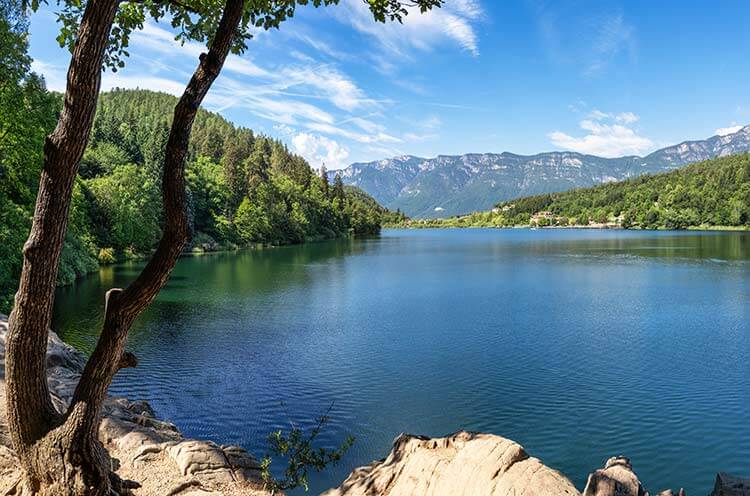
(244, 188)
(27, 114)
(714, 193)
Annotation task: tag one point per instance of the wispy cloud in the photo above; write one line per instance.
(321, 47)
(590, 41)
(332, 130)
(614, 36)
(277, 95)
(455, 21)
(308, 97)
(317, 80)
(54, 75)
(624, 117)
(153, 83)
(159, 40)
(416, 137)
(608, 135)
(325, 81)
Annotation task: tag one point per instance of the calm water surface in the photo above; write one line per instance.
(580, 345)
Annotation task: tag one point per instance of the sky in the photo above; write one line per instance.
(601, 77)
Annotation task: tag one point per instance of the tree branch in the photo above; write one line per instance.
(128, 361)
(175, 3)
(124, 306)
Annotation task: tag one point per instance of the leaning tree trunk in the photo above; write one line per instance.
(60, 452)
(31, 416)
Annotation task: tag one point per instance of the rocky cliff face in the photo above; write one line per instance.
(451, 185)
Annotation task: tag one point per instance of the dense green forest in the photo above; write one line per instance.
(710, 194)
(243, 188)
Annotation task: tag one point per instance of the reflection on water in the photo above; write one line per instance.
(578, 344)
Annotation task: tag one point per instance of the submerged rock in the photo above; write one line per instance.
(464, 463)
(727, 485)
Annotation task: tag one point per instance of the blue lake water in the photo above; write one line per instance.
(578, 344)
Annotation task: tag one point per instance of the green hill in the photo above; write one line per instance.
(244, 188)
(710, 194)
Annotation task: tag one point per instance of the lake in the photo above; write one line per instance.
(578, 344)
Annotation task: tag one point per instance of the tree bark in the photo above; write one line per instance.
(31, 415)
(61, 453)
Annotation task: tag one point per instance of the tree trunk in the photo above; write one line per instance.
(31, 415)
(61, 453)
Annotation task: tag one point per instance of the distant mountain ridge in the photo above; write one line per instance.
(451, 185)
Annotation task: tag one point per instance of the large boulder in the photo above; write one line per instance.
(214, 463)
(615, 479)
(464, 463)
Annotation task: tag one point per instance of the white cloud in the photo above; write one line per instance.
(279, 110)
(320, 150)
(315, 81)
(627, 117)
(723, 131)
(325, 81)
(54, 76)
(317, 107)
(284, 130)
(376, 137)
(624, 117)
(366, 125)
(608, 136)
(598, 115)
(454, 21)
(321, 46)
(431, 122)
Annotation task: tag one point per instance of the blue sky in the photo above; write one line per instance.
(600, 77)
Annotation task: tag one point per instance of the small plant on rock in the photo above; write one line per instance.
(297, 447)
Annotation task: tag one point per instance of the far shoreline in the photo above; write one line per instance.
(702, 228)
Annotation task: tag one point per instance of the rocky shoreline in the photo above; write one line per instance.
(155, 454)
(146, 449)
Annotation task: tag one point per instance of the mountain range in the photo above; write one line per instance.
(451, 185)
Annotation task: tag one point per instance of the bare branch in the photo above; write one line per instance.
(128, 361)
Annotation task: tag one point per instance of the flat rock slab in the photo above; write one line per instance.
(214, 463)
